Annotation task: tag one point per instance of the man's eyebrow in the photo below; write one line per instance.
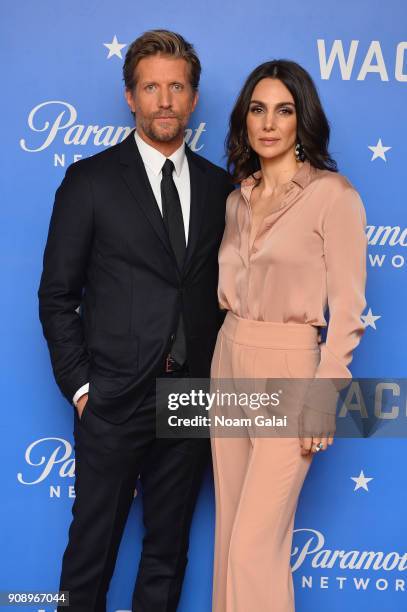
(152, 82)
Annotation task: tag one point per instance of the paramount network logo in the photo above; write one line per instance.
(50, 459)
(314, 553)
(389, 237)
(57, 121)
(373, 61)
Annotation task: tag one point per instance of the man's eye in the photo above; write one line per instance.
(177, 86)
(150, 87)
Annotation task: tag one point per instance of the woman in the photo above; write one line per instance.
(294, 243)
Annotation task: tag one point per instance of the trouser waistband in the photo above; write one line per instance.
(269, 334)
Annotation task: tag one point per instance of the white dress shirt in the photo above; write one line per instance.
(153, 161)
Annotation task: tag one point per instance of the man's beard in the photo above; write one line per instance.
(172, 132)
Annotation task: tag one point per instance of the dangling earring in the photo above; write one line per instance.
(299, 152)
(246, 151)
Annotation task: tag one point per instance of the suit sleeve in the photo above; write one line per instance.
(345, 246)
(63, 278)
(228, 189)
(229, 184)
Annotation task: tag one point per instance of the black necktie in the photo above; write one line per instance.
(174, 222)
(172, 212)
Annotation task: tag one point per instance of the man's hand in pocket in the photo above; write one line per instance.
(81, 403)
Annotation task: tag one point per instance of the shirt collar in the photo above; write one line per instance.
(155, 160)
(302, 178)
(303, 175)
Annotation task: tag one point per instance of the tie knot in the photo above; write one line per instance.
(168, 167)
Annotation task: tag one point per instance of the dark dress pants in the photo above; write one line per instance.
(109, 459)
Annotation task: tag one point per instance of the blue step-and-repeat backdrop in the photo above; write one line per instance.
(62, 99)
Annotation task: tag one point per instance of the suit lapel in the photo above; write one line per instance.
(135, 175)
(199, 185)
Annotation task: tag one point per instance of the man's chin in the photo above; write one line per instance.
(165, 135)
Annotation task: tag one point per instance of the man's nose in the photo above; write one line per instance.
(165, 99)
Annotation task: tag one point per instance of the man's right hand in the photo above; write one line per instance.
(81, 403)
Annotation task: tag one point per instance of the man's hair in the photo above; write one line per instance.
(163, 42)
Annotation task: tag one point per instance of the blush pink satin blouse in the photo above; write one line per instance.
(308, 254)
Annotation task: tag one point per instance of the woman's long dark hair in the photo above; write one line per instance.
(312, 124)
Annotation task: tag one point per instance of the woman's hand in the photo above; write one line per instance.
(316, 426)
(308, 444)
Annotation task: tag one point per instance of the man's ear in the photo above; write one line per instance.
(129, 99)
(195, 99)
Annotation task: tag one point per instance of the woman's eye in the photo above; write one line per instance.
(286, 111)
(256, 109)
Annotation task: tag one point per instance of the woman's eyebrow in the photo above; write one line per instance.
(277, 105)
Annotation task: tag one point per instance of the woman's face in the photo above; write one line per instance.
(272, 120)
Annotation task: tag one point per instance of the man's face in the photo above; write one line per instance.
(162, 99)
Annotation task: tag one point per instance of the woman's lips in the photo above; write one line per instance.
(269, 141)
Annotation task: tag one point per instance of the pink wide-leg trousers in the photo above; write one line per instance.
(258, 479)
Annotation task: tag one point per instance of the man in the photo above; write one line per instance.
(133, 241)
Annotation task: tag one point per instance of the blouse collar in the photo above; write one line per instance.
(301, 178)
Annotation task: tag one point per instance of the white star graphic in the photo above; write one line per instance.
(369, 319)
(361, 481)
(379, 150)
(115, 48)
